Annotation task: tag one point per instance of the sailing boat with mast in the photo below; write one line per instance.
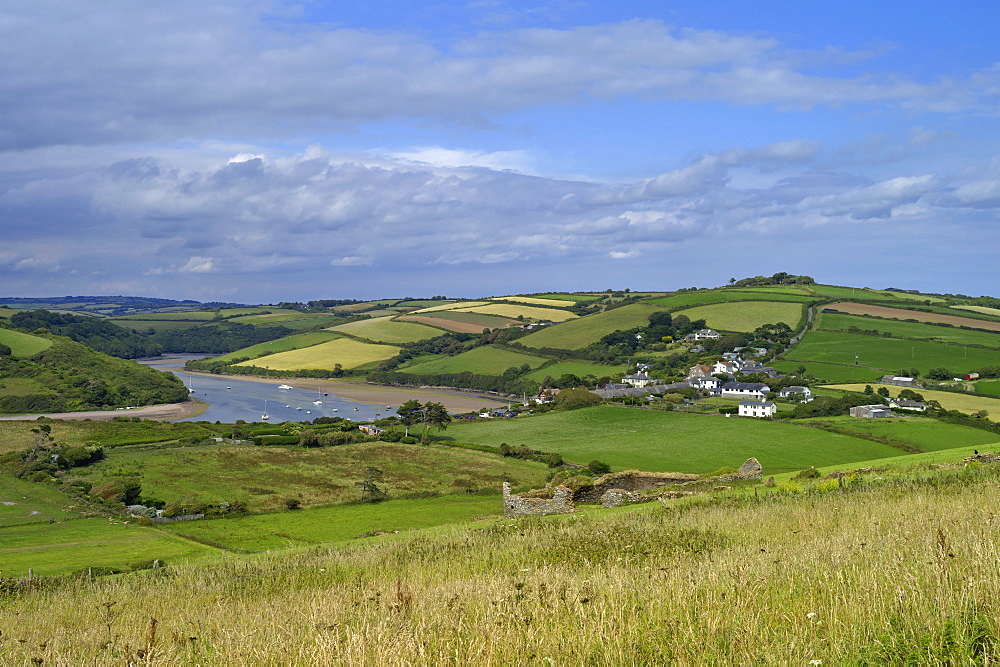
(265, 416)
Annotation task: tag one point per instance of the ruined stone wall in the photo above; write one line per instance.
(632, 480)
(514, 505)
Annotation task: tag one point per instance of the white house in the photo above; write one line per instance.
(796, 394)
(727, 367)
(871, 411)
(748, 390)
(638, 380)
(757, 409)
(706, 334)
(904, 404)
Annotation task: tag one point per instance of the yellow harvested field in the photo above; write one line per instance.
(949, 401)
(448, 306)
(985, 310)
(512, 311)
(344, 351)
(559, 303)
(448, 325)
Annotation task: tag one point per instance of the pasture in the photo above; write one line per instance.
(335, 523)
(293, 342)
(966, 403)
(982, 310)
(459, 322)
(347, 352)
(728, 295)
(899, 329)
(745, 316)
(17, 434)
(578, 368)
(386, 330)
(925, 433)
(890, 354)
(22, 344)
(291, 320)
(567, 297)
(70, 546)
(581, 332)
(514, 311)
(830, 372)
(449, 306)
(919, 315)
(264, 476)
(24, 502)
(479, 360)
(671, 441)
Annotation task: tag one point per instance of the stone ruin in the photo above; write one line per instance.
(620, 488)
(560, 503)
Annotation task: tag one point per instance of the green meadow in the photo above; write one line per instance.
(480, 360)
(17, 434)
(577, 368)
(746, 315)
(925, 433)
(687, 299)
(293, 342)
(68, 546)
(671, 441)
(22, 344)
(264, 477)
(337, 522)
(578, 333)
(27, 502)
(890, 354)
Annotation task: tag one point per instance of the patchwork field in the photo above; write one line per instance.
(293, 342)
(344, 351)
(386, 330)
(890, 354)
(746, 315)
(459, 322)
(581, 332)
(479, 360)
(449, 306)
(528, 312)
(966, 403)
(567, 297)
(903, 314)
(672, 441)
(22, 344)
(951, 334)
(559, 303)
(995, 312)
(264, 477)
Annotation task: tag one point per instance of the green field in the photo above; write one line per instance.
(686, 299)
(672, 441)
(480, 360)
(746, 315)
(16, 434)
(831, 372)
(988, 387)
(567, 297)
(68, 546)
(292, 320)
(967, 403)
(449, 306)
(581, 332)
(835, 292)
(578, 368)
(925, 433)
(338, 522)
(22, 344)
(27, 502)
(841, 322)
(536, 300)
(890, 354)
(385, 330)
(293, 342)
(344, 351)
(264, 477)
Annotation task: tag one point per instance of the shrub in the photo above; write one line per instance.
(293, 503)
(808, 473)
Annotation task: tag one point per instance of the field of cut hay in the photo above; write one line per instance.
(344, 351)
(528, 312)
(387, 330)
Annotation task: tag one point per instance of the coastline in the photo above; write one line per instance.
(163, 412)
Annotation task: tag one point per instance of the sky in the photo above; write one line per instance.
(258, 151)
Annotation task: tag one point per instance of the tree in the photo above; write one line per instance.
(436, 415)
(883, 392)
(4, 350)
(410, 413)
(599, 467)
(571, 399)
(370, 490)
(939, 374)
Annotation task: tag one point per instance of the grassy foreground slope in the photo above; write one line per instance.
(831, 573)
(671, 441)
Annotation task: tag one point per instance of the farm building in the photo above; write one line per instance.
(904, 404)
(899, 381)
(750, 390)
(371, 429)
(757, 409)
(871, 411)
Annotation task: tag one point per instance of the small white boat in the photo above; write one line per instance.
(298, 408)
(265, 416)
(228, 387)
(285, 386)
(335, 409)
(317, 402)
(356, 409)
(309, 412)
(288, 406)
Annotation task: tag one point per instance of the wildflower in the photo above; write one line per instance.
(811, 615)
(815, 662)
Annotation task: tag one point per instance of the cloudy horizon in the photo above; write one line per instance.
(266, 151)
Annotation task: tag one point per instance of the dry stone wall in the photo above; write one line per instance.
(560, 503)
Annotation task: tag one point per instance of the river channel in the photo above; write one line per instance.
(230, 398)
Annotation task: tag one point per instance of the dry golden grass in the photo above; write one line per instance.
(899, 574)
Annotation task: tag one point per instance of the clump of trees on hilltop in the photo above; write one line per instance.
(780, 278)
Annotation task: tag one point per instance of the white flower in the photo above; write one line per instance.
(815, 662)
(811, 615)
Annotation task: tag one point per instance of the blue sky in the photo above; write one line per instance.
(262, 151)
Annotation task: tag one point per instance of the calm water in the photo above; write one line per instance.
(230, 398)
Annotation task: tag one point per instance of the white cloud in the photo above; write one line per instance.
(353, 260)
(199, 265)
(623, 254)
